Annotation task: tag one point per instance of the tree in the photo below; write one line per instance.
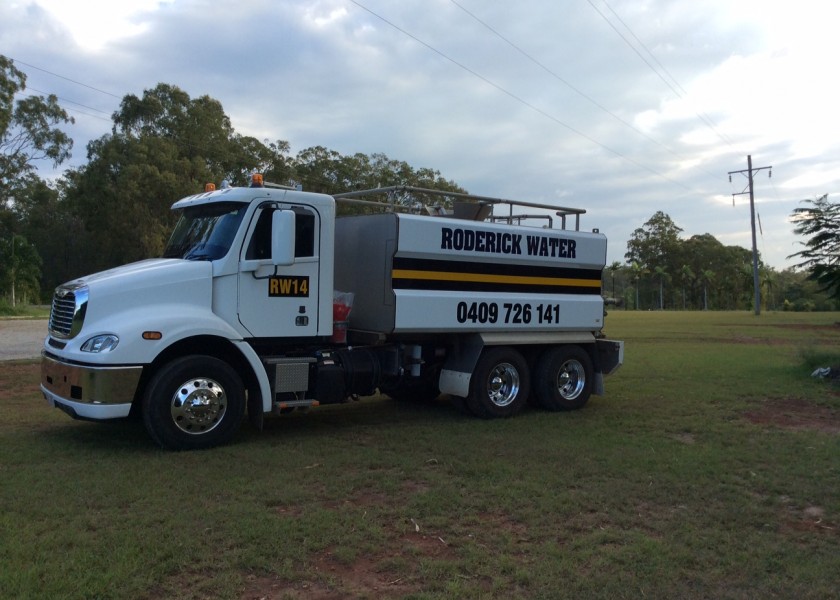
(656, 246)
(19, 268)
(686, 277)
(48, 222)
(707, 276)
(322, 170)
(123, 196)
(29, 130)
(821, 255)
(636, 271)
(662, 275)
(768, 281)
(613, 269)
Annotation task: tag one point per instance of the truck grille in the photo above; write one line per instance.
(68, 311)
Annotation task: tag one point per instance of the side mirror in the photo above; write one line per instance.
(283, 238)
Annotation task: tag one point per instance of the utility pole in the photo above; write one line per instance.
(749, 171)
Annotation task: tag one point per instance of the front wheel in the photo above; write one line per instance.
(194, 402)
(563, 378)
(499, 385)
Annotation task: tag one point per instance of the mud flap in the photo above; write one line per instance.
(610, 355)
(255, 410)
(457, 371)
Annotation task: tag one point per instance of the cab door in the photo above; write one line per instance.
(280, 301)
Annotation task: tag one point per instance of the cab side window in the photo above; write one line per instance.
(304, 233)
(259, 248)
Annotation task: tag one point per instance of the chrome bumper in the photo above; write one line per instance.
(88, 391)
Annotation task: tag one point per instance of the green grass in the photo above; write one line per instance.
(709, 470)
(24, 311)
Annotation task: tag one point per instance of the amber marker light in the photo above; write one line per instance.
(209, 187)
(152, 335)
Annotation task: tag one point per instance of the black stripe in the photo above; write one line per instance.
(474, 286)
(452, 266)
(448, 266)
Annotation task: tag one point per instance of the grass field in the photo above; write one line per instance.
(711, 469)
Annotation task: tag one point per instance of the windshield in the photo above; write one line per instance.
(205, 232)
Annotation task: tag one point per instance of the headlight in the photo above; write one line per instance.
(101, 343)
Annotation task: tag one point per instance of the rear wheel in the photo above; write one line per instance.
(563, 378)
(500, 384)
(194, 402)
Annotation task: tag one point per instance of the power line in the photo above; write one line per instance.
(573, 88)
(68, 101)
(90, 87)
(646, 49)
(74, 110)
(519, 99)
(673, 87)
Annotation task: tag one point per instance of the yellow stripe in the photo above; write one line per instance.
(483, 278)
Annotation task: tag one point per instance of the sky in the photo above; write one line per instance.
(621, 108)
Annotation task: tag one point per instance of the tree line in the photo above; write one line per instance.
(665, 271)
(164, 145)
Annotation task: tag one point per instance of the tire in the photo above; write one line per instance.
(500, 384)
(563, 378)
(194, 402)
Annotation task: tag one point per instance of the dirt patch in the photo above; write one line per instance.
(746, 339)
(684, 437)
(807, 327)
(392, 572)
(19, 377)
(808, 520)
(796, 414)
(400, 567)
(396, 569)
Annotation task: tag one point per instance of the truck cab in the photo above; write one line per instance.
(265, 246)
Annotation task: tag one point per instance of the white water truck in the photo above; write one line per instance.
(265, 302)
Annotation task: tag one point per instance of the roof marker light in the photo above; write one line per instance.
(209, 187)
(257, 180)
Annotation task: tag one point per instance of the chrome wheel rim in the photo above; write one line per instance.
(198, 405)
(503, 384)
(571, 379)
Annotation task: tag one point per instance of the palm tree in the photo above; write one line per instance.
(615, 266)
(636, 271)
(686, 276)
(767, 280)
(663, 275)
(707, 277)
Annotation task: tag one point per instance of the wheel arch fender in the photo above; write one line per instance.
(237, 353)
